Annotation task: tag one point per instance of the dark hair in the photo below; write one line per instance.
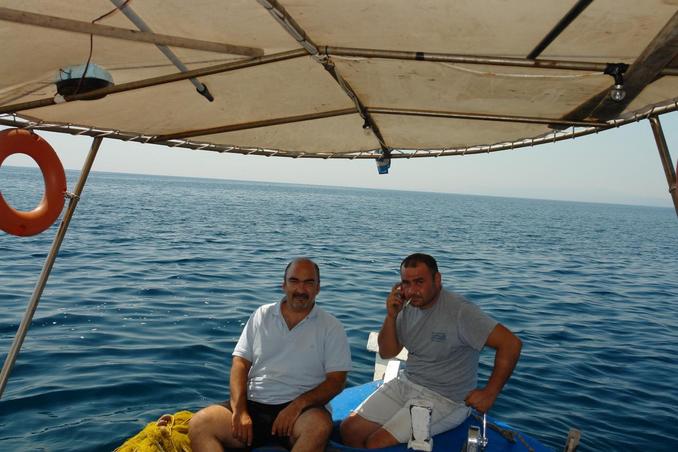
(301, 259)
(420, 258)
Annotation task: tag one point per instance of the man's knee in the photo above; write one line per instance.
(355, 430)
(197, 424)
(348, 429)
(315, 423)
(206, 423)
(201, 419)
(380, 438)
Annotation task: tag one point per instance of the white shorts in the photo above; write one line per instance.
(389, 406)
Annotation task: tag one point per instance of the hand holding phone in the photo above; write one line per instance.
(395, 301)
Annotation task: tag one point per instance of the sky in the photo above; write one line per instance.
(619, 166)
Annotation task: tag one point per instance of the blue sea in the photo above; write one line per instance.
(158, 275)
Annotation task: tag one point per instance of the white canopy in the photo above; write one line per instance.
(339, 78)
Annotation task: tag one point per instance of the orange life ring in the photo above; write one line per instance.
(12, 221)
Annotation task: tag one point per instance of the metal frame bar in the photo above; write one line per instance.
(76, 26)
(154, 81)
(127, 10)
(657, 55)
(47, 268)
(665, 157)
(570, 65)
(290, 25)
(562, 24)
(556, 135)
(483, 117)
(253, 125)
(650, 65)
(294, 29)
(373, 110)
(338, 51)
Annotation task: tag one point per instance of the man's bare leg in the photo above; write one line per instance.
(210, 430)
(311, 431)
(380, 438)
(356, 431)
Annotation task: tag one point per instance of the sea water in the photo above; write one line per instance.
(158, 275)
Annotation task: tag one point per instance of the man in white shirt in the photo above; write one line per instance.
(291, 360)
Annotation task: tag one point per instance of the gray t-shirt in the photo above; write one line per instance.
(444, 343)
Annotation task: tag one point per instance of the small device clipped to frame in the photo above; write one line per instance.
(420, 435)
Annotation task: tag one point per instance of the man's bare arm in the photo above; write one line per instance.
(389, 346)
(238, 381)
(241, 421)
(507, 351)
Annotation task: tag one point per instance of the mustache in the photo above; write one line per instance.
(300, 296)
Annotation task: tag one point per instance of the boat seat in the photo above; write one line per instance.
(385, 369)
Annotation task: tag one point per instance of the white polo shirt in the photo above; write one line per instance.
(287, 363)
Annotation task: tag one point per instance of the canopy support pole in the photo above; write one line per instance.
(435, 57)
(77, 26)
(665, 157)
(290, 25)
(141, 25)
(562, 24)
(154, 81)
(47, 267)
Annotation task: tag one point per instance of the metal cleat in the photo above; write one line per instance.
(477, 439)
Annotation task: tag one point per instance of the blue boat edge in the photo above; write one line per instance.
(501, 436)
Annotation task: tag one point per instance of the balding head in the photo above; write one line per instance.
(304, 260)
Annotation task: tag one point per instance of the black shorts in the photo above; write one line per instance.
(263, 416)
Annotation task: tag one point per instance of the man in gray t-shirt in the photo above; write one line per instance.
(444, 334)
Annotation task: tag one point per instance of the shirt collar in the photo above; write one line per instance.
(278, 309)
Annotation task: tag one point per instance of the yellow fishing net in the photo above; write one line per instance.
(167, 434)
